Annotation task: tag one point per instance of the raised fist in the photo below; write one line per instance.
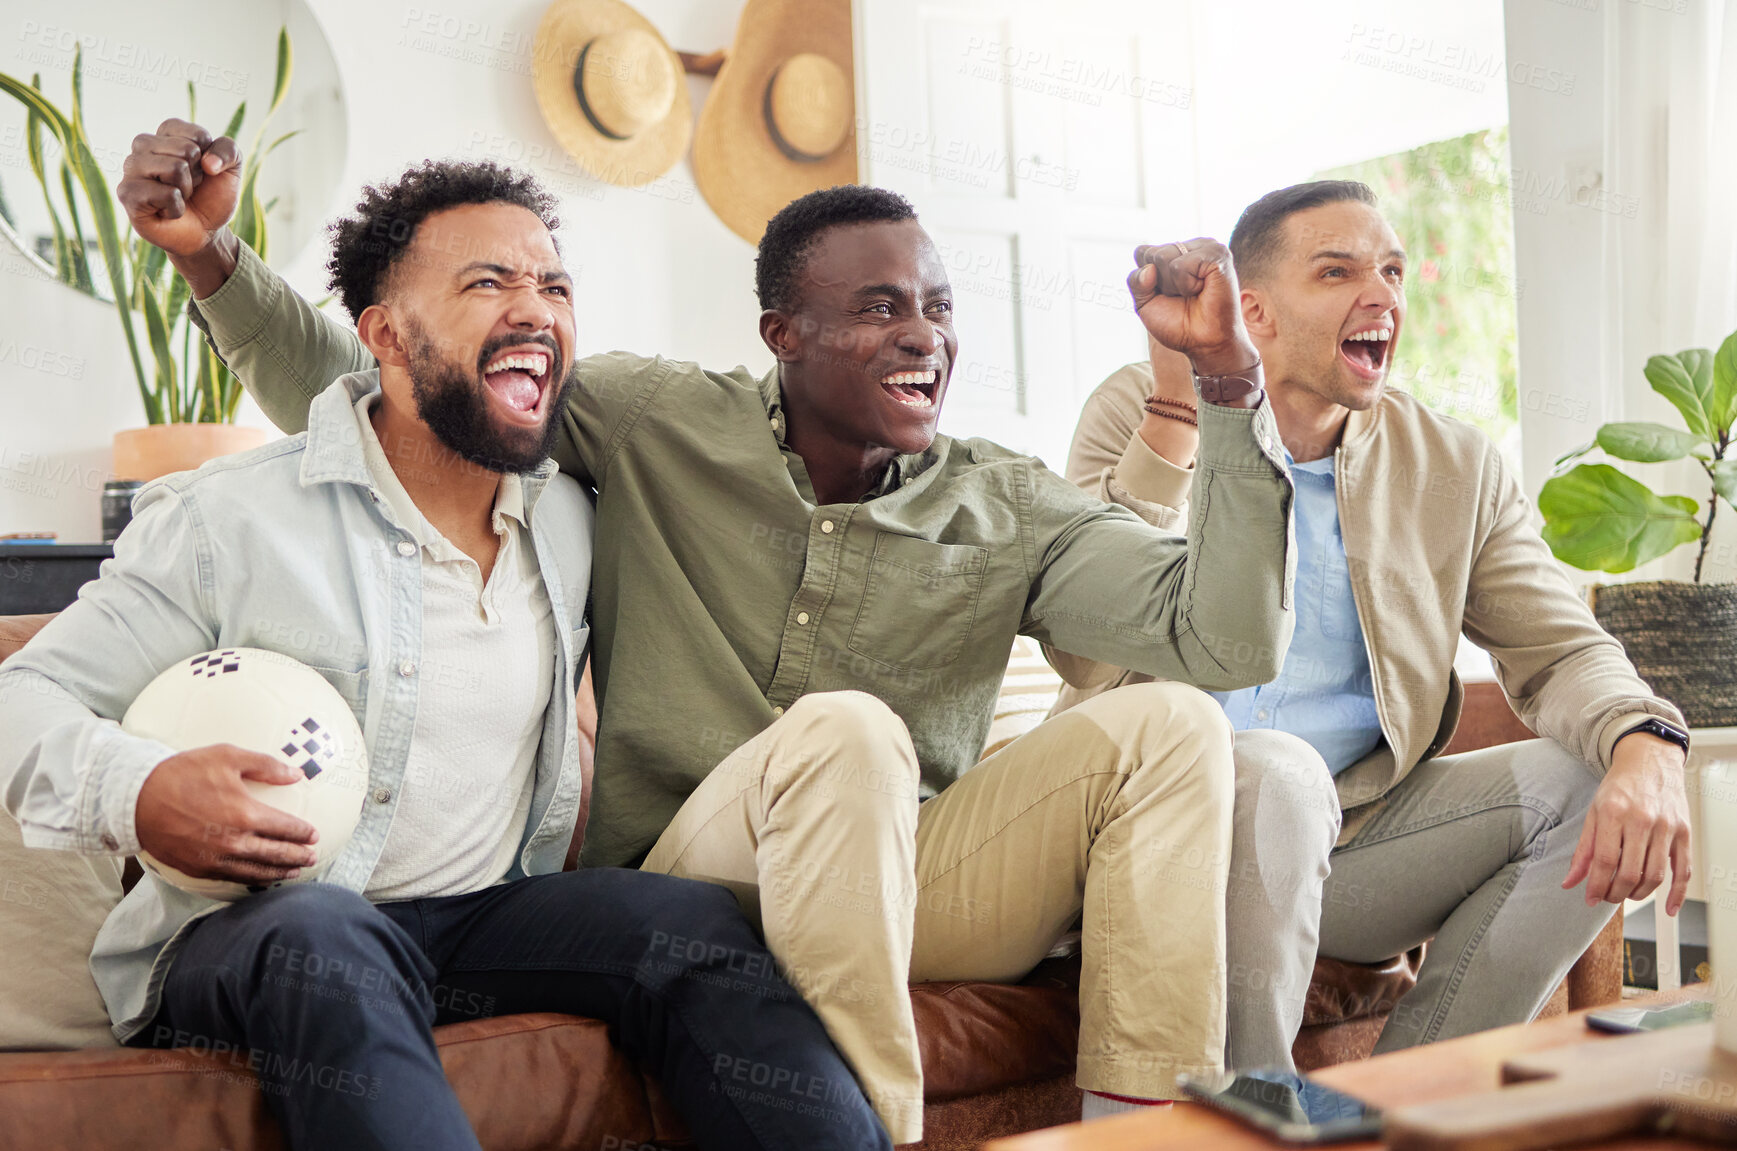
(180, 187)
(1186, 294)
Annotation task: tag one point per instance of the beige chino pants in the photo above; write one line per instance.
(1116, 812)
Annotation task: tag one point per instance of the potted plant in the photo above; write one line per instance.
(190, 397)
(1682, 636)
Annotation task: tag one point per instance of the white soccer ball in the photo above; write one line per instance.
(266, 702)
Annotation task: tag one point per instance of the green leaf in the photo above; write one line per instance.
(234, 124)
(285, 65)
(78, 256)
(1561, 462)
(1686, 379)
(34, 100)
(63, 267)
(1646, 443)
(192, 103)
(157, 329)
(1597, 519)
(102, 208)
(272, 147)
(1725, 480)
(1725, 382)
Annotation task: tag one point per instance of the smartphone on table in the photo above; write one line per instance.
(1627, 1020)
(1292, 1108)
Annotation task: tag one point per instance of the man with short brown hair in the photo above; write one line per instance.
(1410, 529)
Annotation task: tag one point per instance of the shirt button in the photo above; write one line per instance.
(382, 795)
(110, 842)
(774, 423)
(406, 548)
(777, 711)
(1266, 442)
(1261, 714)
(407, 668)
(801, 617)
(826, 526)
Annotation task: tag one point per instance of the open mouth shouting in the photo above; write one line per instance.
(912, 389)
(1366, 350)
(518, 379)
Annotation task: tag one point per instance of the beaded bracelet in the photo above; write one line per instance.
(1159, 406)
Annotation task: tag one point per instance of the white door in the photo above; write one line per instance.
(1039, 143)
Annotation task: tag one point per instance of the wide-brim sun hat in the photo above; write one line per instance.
(611, 89)
(780, 121)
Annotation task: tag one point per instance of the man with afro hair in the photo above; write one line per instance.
(416, 546)
(804, 603)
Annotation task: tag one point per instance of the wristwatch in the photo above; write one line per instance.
(1234, 389)
(1662, 729)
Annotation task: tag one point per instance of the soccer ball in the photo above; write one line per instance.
(266, 702)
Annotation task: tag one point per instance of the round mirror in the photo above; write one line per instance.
(138, 62)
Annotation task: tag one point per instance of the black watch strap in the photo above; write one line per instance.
(1662, 729)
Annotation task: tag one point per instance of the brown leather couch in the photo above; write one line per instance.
(997, 1059)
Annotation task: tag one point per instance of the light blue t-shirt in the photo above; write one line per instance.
(1325, 693)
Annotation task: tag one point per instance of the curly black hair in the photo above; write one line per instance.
(366, 246)
(792, 233)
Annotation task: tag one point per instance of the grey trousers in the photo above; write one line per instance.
(1468, 851)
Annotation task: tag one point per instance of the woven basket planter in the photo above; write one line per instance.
(1682, 638)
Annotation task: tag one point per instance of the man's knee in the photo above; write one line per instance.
(1550, 774)
(691, 926)
(1161, 724)
(304, 931)
(854, 739)
(1282, 776)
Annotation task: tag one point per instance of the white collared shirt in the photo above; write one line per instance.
(484, 683)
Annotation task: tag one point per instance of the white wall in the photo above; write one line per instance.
(655, 269)
(1285, 90)
(1613, 191)
(1556, 140)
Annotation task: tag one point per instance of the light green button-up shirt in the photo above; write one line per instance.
(723, 592)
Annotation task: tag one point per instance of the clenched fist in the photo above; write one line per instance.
(179, 189)
(1186, 294)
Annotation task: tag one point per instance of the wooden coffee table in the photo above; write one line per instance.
(1467, 1066)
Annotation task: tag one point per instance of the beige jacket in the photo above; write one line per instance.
(1439, 539)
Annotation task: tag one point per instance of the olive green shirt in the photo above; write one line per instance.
(723, 593)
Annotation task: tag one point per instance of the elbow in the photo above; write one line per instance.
(1233, 662)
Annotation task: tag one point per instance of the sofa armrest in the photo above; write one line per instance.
(1595, 980)
(16, 630)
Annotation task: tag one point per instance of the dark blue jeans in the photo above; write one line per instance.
(330, 999)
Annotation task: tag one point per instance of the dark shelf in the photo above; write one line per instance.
(45, 577)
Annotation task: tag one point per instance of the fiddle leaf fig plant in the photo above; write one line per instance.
(1597, 518)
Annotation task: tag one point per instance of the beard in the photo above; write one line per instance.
(453, 401)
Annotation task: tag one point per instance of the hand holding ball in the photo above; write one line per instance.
(270, 779)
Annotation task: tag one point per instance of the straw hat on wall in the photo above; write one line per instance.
(611, 90)
(780, 121)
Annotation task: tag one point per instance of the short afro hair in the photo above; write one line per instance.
(791, 234)
(368, 245)
(1259, 234)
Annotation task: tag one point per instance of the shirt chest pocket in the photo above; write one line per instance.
(352, 685)
(919, 602)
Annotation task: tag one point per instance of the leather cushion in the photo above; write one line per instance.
(1343, 991)
(977, 1037)
(567, 1087)
(16, 630)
